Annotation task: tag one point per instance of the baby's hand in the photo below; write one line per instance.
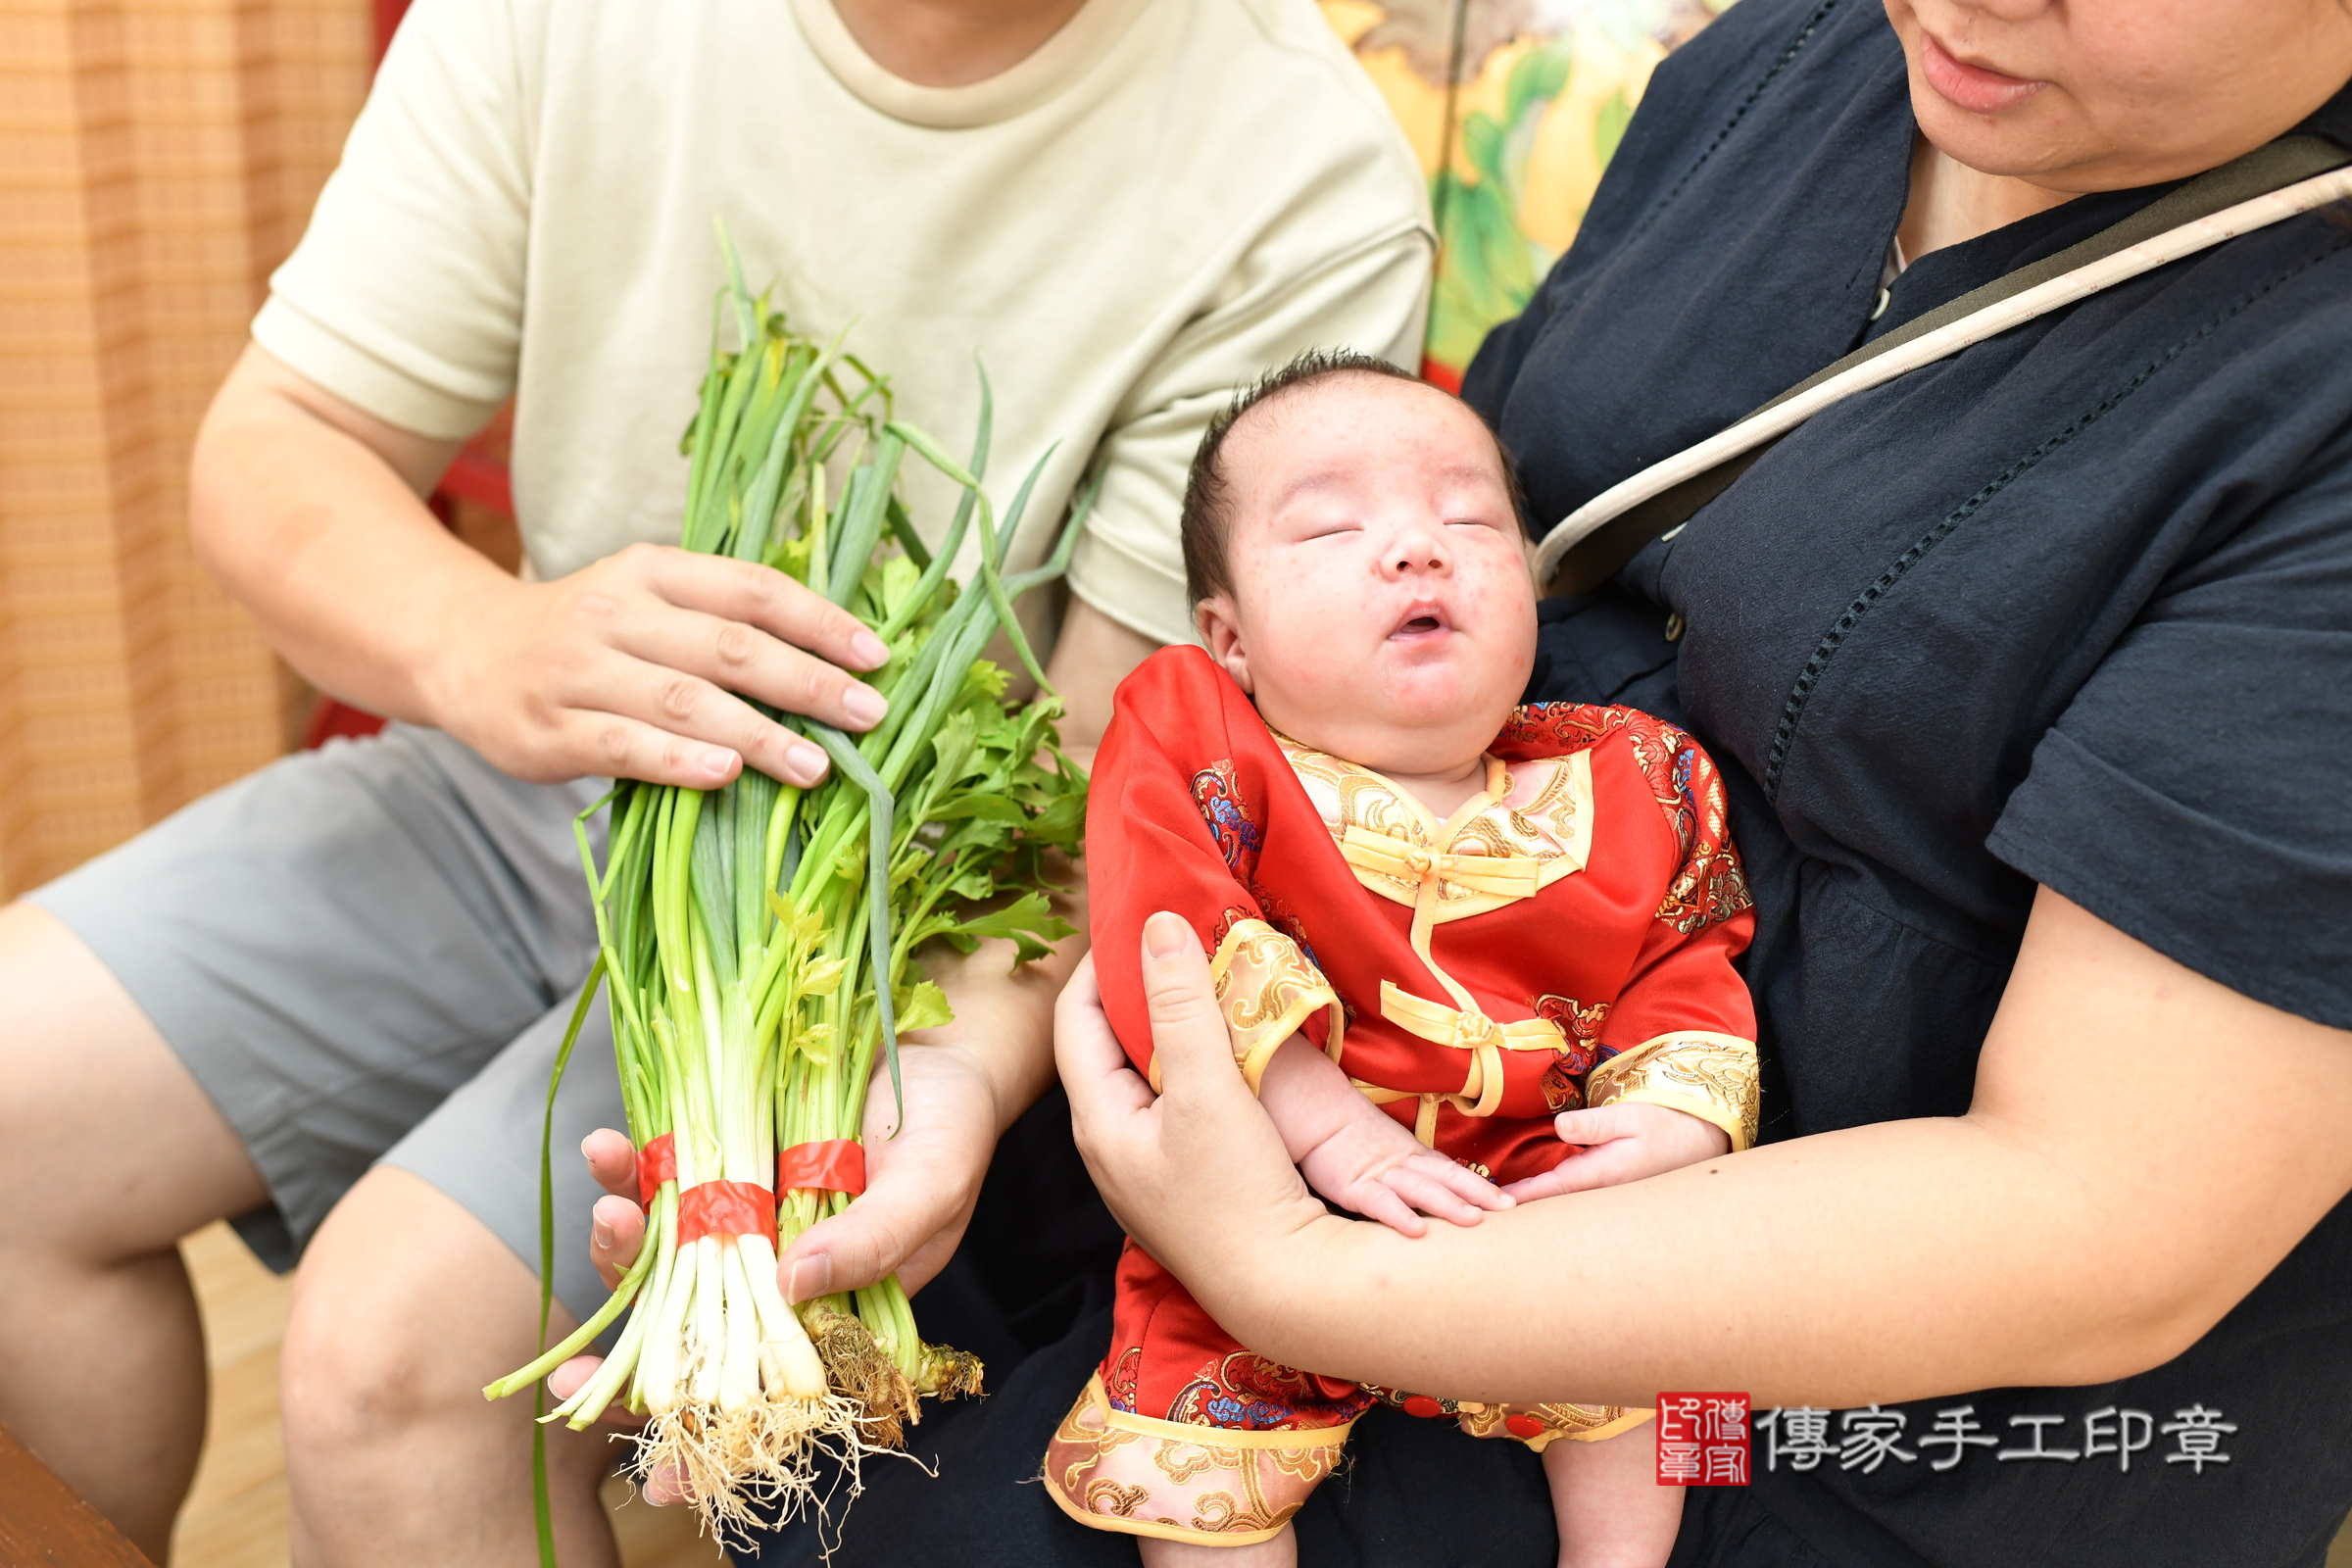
(1374, 1167)
(1622, 1143)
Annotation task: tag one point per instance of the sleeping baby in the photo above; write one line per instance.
(1470, 953)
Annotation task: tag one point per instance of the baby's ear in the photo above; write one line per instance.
(1220, 628)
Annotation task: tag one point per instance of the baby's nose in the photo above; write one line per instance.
(1418, 544)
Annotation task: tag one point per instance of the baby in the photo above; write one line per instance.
(1469, 952)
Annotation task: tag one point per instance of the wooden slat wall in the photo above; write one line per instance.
(157, 159)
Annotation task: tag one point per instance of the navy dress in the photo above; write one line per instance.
(2072, 608)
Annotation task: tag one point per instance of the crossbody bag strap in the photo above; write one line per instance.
(2276, 181)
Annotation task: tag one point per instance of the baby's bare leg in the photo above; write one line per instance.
(1611, 1510)
(1280, 1553)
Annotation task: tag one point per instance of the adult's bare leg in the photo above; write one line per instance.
(405, 1305)
(109, 1154)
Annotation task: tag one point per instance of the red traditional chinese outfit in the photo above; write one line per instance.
(1565, 939)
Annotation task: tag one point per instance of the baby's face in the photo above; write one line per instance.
(1380, 608)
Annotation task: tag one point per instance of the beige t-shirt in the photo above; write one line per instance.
(1166, 199)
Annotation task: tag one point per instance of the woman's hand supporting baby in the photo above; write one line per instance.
(1358, 1155)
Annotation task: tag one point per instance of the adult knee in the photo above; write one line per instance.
(405, 1307)
(357, 1370)
(109, 1150)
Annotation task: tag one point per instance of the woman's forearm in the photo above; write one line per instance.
(1880, 1263)
(2144, 1147)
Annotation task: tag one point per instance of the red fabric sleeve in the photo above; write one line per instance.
(1684, 982)
(1682, 977)
(1167, 770)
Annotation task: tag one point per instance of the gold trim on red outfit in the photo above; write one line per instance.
(1115, 1470)
(1711, 1076)
(1266, 988)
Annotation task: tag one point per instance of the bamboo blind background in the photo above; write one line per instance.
(158, 158)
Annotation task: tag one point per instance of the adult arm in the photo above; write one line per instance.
(2145, 1146)
(309, 510)
(392, 333)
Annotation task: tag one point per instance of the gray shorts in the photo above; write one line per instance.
(370, 952)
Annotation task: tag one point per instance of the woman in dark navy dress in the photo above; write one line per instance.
(2031, 673)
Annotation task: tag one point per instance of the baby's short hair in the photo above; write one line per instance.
(1204, 523)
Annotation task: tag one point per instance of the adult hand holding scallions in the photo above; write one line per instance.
(760, 942)
(651, 663)
(920, 1187)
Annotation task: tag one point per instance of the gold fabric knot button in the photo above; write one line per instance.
(1511, 876)
(1472, 1030)
(1465, 1029)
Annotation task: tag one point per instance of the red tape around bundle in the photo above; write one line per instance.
(656, 1162)
(726, 1208)
(835, 1165)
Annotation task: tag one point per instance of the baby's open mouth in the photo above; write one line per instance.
(1422, 621)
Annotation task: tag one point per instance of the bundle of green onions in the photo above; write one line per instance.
(759, 939)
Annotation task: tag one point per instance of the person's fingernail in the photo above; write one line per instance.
(714, 760)
(804, 762)
(1164, 935)
(811, 1277)
(601, 1233)
(867, 650)
(863, 705)
(666, 1485)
